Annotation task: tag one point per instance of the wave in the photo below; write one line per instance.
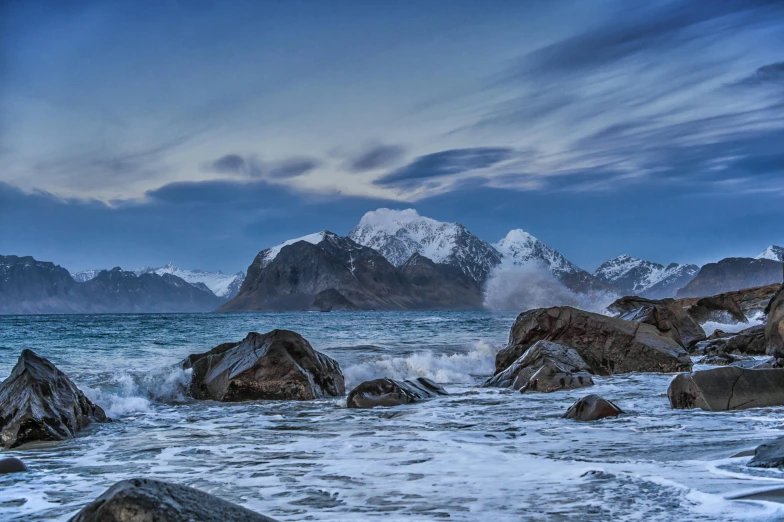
(731, 327)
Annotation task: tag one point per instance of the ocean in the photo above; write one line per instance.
(477, 454)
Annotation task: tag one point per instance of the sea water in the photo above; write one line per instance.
(477, 454)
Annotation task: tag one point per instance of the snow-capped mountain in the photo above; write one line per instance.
(267, 255)
(85, 275)
(398, 234)
(776, 253)
(639, 277)
(220, 284)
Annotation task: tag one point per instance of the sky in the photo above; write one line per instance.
(200, 132)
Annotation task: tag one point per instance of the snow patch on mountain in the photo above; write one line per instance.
(519, 248)
(220, 284)
(271, 253)
(640, 277)
(85, 275)
(776, 253)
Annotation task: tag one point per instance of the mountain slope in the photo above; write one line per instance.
(639, 277)
(732, 273)
(220, 284)
(398, 234)
(773, 252)
(85, 275)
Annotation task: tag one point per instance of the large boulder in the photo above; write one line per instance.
(545, 367)
(147, 500)
(774, 331)
(750, 341)
(722, 308)
(592, 407)
(665, 314)
(391, 392)
(607, 344)
(38, 402)
(278, 365)
(768, 455)
(727, 388)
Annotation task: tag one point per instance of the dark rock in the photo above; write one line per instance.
(592, 407)
(38, 402)
(750, 341)
(665, 314)
(771, 495)
(717, 308)
(741, 361)
(12, 465)
(545, 367)
(730, 274)
(278, 365)
(146, 500)
(769, 455)
(330, 299)
(774, 331)
(608, 345)
(390, 392)
(728, 388)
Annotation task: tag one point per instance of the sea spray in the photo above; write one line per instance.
(125, 392)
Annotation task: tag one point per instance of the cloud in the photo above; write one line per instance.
(376, 157)
(768, 74)
(230, 163)
(292, 168)
(253, 168)
(445, 163)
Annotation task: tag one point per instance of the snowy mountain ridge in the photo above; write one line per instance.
(220, 284)
(646, 278)
(776, 253)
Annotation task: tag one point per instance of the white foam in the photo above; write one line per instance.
(712, 326)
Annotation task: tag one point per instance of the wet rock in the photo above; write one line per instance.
(774, 331)
(608, 345)
(146, 500)
(771, 495)
(545, 367)
(720, 308)
(728, 388)
(725, 359)
(750, 341)
(12, 465)
(278, 365)
(592, 407)
(390, 392)
(665, 315)
(768, 455)
(38, 402)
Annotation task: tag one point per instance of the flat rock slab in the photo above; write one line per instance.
(592, 407)
(727, 388)
(768, 455)
(390, 392)
(146, 500)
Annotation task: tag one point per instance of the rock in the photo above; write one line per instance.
(750, 341)
(278, 365)
(774, 331)
(741, 361)
(717, 308)
(592, 407)
(732, 274)
(608, 345)
(38, 402)
(390, 392)
(330, 299)
(768, 455)
(545, 367)
(147, 500)
(728, 388)
(665, 314)
(771, 495)
(12, 465)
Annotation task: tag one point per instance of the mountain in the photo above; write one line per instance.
(638, 277)
(732, 273)
(220, 284)
(398, 234)
(85, 275)
(28, 286)
(773, 252)
(520, 248)
(325, 271)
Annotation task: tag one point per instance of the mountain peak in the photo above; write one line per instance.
(774, 252)
(639, 277)
(518, 235)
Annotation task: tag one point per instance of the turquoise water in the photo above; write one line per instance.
(479, 454)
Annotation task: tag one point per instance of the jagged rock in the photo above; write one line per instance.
(330, 299)
(717, 308)
(390, 392)
(768, 455)
(147, 500)
(664, 314)
(545, 367)
(608, 345)
(592, 407)
(278, 365)
(750, 341)
(38, 402)
(774, 331)
(728, 388)
(12, 465)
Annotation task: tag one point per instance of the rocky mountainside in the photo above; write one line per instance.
(325, 271)
(773, 252)
(634, 276)
(732, 273)
(398, 234)
(28, 286)
(220, 284)
(85, 275)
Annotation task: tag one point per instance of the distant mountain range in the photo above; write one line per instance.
(638, 277)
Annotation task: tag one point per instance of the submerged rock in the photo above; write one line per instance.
(12, 465)
(38, 402)
(146, 500)
(728, 388)
(665, 315)
(545, 367)
(774, 331)
(768, 455)
(608, 345)
(592, 407)
(278, 365)
(390, 392)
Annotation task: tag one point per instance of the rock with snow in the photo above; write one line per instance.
(220, 284)
(85, 275)
(644, 278)
(398, 234)
(773, 252)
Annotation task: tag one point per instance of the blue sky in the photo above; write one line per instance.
(197, 132)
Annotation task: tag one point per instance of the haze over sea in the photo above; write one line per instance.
(479, 453)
